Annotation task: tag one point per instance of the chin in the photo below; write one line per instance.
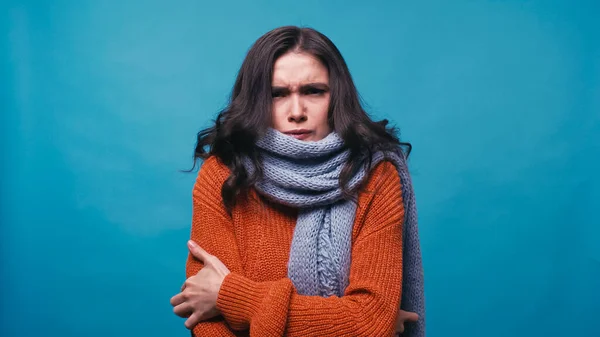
(312, 138)
(315, 138)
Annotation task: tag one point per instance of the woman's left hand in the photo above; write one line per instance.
(198, 297)
(403, 317)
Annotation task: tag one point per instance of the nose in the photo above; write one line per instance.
(297, 113)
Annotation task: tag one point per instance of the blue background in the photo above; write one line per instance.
(101, 101)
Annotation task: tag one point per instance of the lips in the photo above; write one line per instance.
(300, 134)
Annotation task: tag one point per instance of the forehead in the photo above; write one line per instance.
(296, 68)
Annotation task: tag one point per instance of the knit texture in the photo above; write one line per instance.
(259, 299)
(306, 175)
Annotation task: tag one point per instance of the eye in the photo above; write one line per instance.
(314, 91)
(277, 93)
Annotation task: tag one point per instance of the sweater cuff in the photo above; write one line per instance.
(239, 300)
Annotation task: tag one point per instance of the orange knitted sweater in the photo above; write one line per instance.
(258, 299)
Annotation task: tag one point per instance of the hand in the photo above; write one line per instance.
(404, 316)
(198, 297)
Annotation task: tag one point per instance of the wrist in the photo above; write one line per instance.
(238, 300)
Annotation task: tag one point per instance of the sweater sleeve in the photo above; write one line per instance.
(212, 229)
(370, 303)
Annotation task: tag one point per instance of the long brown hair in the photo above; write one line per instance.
(248, 113)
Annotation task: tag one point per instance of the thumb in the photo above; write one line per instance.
(198, 252)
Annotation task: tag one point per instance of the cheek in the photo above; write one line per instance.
(276, 116)
(323, 114)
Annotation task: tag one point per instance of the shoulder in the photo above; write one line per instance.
(212, 174)
(383, 174)
(380, 202)
(213, 167)
(382, 189)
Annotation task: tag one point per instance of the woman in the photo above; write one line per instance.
(304, 220)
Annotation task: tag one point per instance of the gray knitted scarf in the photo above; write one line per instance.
(305, 175)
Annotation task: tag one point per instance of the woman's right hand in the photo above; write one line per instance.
(404, 316)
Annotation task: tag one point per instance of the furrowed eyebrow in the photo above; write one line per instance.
(320, 86)
(280, 89)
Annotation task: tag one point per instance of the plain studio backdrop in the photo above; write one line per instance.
(101, 101)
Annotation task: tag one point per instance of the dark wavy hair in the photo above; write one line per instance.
(248, 113)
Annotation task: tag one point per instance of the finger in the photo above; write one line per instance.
(177, 299)
(183, 310)
(182, 287)
(191, 322)
(198, 252)
(412, 317)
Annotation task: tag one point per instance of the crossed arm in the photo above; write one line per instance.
(220, 300)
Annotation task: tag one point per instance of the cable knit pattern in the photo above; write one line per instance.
(257, 244)
(306, 175)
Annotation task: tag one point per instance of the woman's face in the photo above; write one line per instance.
(301, 95)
